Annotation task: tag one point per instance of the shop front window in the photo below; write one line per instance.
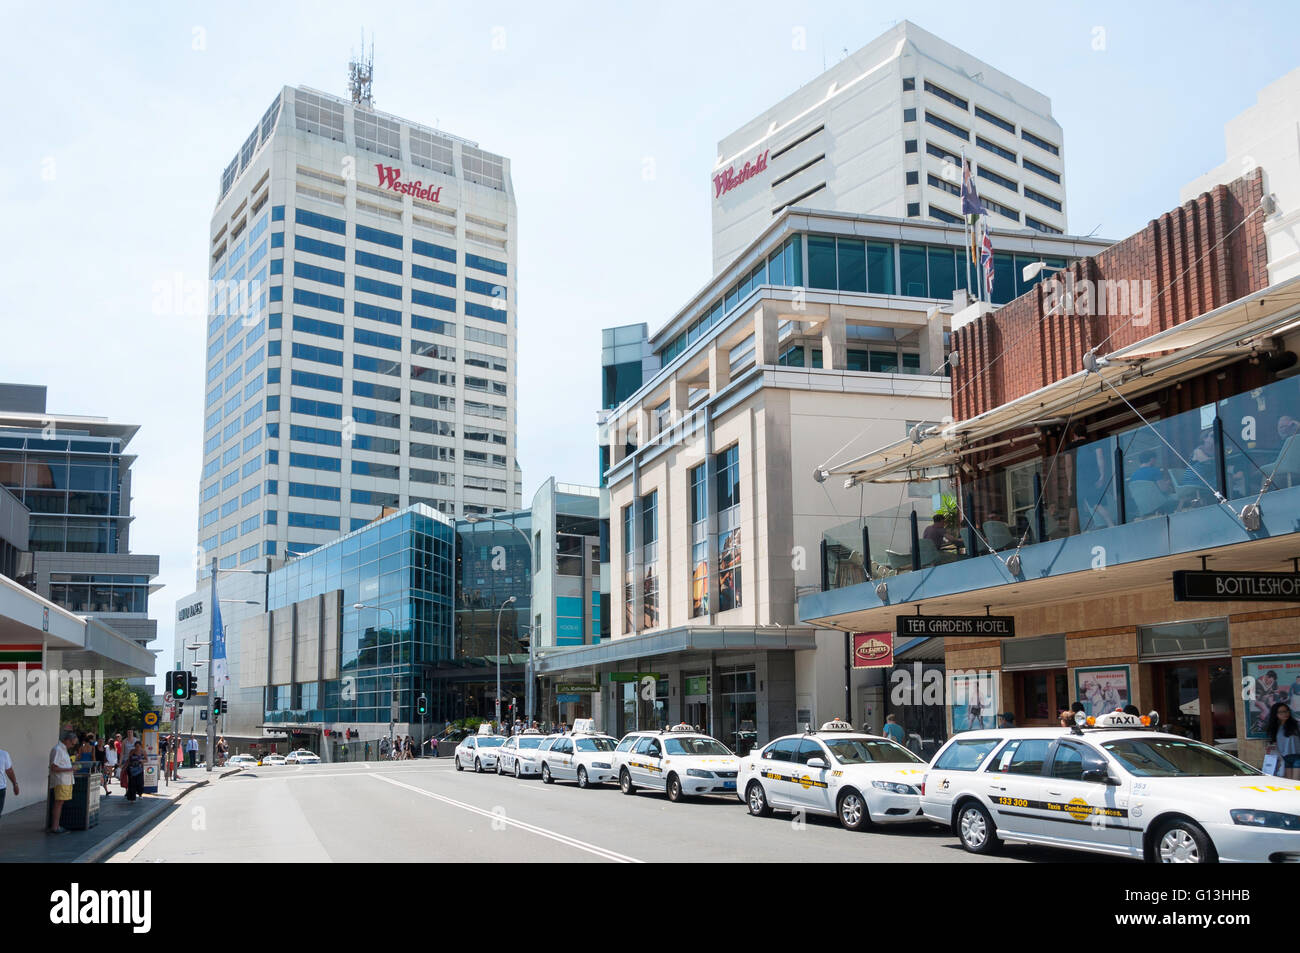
(738, 708)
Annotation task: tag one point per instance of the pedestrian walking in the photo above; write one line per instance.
(101, 764)
(7, 777)
(61, 777)
(893, 730)
(135, 772)
(110, 764)
(1284, 738)
(191, 752)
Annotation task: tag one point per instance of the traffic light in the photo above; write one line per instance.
(178, 684)
(422, 705)
(171, 684)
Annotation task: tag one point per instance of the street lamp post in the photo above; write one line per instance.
(392, 622)
(530, 694)
(509, 601)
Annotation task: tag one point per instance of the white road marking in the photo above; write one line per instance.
(602, 852)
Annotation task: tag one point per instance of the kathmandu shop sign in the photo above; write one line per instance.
(929, 626)
(1195, 585)
(391, 178)
(873, 649)
(577, 689)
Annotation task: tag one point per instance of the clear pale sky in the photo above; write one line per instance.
(122, 117)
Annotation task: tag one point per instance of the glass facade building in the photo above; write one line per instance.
(400, 569)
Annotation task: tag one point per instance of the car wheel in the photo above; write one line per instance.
(1183, 842)
(499, 772)
(517, 774)
(459, 766)
(478, 766)
(975, 829)
(852, 811)
(625, 782)
(582, 778)
(546, 774)
(675, 792)
(757, 800)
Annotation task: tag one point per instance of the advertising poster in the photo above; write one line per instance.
(1267, 680)
(1103, 688)
(973, 700)
(149, 738)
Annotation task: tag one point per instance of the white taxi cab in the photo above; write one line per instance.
(478, 752)
(1111, 784)
(583, 755)
(857, 777)
(518, 756)
(680, 761)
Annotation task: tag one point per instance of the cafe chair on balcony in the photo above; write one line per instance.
(1286, 468)
(998, 535)
(1148, 499)
(899, 562)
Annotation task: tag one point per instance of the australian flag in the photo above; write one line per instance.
(970, 200)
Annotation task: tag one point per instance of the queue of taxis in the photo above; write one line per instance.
(1112, 785)
(582, 755)
(479, 751)
(518, 756)
(859, 778)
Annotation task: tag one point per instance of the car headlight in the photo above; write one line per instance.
(893, 787)
(698, 773)
(1287, 822)
(600, 764)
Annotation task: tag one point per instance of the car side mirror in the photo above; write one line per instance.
(1099, 776)
(816, 762)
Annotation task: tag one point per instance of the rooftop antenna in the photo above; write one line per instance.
(361, 73)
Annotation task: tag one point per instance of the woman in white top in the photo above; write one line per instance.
(110, 764)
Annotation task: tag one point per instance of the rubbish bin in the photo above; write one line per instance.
(82, 812)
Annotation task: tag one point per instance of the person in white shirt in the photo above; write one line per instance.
(110, 759)
(61, 777)
(6, 771)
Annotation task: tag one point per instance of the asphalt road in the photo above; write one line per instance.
(425, 811)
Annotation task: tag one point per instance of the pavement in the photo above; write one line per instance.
(425, 811)
(23, 838)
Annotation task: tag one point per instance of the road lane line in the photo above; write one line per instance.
(531, 828)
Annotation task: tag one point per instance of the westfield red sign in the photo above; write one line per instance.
(724, 182)
(391, 178)
(873, 649)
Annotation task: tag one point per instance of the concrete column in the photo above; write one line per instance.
(931, 338)
(765, 335)
(719, 369)
(835, 351)
(679, 396)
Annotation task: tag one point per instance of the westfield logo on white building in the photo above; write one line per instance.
(724, 182)
(391, 178)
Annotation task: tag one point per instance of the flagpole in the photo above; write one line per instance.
(966, 219)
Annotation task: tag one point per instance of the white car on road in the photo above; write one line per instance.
(272, 759)
(302, 756)
(857, 777)
(585, 757)
(1111, 785)
(680, 761)
(478, 752)
(518, 756)
(242, 761)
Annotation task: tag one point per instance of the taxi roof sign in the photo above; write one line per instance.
(836, 725)
(1118, 718)
(684, 727)
(485, 728)
(584, 726)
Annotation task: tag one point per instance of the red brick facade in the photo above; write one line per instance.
(1197, 257)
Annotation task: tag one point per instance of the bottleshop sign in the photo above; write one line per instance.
(391, 178)
(873, 649)
(929, 626)
(724, 182)
(1197, 585)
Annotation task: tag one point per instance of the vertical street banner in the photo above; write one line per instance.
(220, 675)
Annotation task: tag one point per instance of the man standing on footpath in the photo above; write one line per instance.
(61, 777)
(191, 752)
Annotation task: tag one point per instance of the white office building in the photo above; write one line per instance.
(881, 133)
(361, 331)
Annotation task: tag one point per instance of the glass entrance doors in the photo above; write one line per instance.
(1196, 699)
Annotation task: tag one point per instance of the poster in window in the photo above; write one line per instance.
(729, 570)
(973, 700)
(1267, 680)
(1102, 688)
(700, 588)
